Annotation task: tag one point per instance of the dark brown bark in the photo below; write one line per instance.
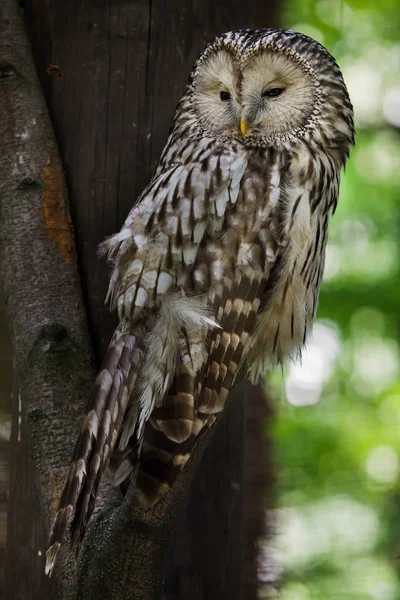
(259, 485)
(112, 73)
(5, 424)
(42, 296)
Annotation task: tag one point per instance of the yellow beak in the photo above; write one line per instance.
(243, 127)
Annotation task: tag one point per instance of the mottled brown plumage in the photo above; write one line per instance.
(218, 265)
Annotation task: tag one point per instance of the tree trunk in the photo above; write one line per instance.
(112, 73)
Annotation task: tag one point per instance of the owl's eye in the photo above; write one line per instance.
(225, 96)
(273, 93)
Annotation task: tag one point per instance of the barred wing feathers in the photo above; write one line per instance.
(234, 269)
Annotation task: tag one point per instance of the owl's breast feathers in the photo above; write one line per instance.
(309, 191)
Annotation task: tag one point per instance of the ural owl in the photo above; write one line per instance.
(217, 267)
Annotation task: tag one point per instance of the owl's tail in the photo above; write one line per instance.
(107, 406)
(137, 372)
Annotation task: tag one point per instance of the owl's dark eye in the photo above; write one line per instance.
(225, 96)
(273, 93)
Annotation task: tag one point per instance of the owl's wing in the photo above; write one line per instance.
(153, 255)
(198, 397)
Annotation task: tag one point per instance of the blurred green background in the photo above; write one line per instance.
(338, 429)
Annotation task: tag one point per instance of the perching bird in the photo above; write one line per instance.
(218, 266)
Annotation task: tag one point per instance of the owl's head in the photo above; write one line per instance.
(267, 86)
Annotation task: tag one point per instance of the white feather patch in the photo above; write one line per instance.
(189, 253)
(165, 281)
(141, 297)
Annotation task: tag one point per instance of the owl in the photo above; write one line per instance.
(217, 268)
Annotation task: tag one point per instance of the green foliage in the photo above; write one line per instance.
(338, 428)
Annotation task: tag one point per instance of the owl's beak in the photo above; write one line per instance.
(243, 127)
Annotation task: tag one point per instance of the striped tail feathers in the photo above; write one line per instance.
(123, 464)
(173, 421)
(120, 394)
(176, 350)
(163, 459)
(174, 427)
(199, 399)
(163, 341)
(154, 353)
(106, 408)
(175, 344)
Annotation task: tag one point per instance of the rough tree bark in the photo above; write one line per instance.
(41, 285)
(109, 59)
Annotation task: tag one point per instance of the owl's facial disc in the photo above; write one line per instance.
(277, 94)
(259, 97)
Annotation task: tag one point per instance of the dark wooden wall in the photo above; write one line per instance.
(112, 72)
(5, 424)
